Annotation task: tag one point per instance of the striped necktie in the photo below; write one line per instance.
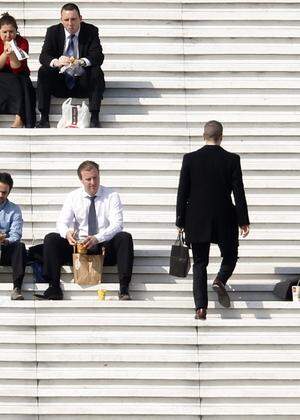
(70, 52)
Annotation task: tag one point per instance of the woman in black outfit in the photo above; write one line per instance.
(17, 95)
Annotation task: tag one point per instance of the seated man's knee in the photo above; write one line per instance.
(44, 72)
(51, 237)
(96, 77)
(20, 246)
(95, 72)
(124, 237)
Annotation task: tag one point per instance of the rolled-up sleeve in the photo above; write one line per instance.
(16, 226)
(115, 217)
(66, 218)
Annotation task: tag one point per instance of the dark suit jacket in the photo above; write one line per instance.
(88, 44)
(204, 206)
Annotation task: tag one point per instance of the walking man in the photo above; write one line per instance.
(206, 213)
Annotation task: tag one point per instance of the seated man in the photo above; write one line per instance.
(93, 212)
(71, 39)
(13, 252)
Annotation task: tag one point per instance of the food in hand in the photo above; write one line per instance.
(81, 247)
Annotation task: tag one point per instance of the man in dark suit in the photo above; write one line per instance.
(207, 215)
(71, 40)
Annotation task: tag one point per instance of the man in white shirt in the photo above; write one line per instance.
(92, 213)
(70, 40)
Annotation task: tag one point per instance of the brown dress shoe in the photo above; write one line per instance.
(200, 313)
(223, 296)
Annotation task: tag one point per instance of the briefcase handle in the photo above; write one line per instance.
(180, 238)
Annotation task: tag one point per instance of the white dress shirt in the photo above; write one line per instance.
(76, 49)
(109, 212)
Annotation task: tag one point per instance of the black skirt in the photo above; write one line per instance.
(17, 96)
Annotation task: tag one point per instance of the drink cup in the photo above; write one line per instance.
(101, 294)
(296, 293)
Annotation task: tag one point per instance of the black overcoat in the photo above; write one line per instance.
(204, 205)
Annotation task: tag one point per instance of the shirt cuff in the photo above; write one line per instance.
(99, 237)
(87, 62)
(63, 232)
(11, 239)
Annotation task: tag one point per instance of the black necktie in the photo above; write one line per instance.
(92, 218)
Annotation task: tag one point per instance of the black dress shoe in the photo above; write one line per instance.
(200, 314)
(50, 294)
(43, 124)
(223, 296)
(124, 296)
(95, 123)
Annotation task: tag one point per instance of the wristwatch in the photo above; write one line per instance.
(81, 62)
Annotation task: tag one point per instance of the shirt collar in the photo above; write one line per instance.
(85, 194)
(67, 34)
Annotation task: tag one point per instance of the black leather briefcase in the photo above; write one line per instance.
(179, 260)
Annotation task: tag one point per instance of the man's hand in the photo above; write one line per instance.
(63, 61)
(70, 236)
(245, 229)
(90, 242)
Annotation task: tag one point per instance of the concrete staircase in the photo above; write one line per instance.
(170, 66)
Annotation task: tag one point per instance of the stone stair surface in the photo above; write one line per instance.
(170, 66)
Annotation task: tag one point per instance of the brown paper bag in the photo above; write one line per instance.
(87, 269)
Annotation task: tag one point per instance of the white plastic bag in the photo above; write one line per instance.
(74, 116)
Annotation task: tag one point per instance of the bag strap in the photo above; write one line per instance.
(180, 238)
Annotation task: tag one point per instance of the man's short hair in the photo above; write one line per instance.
(70, 6)
(87, 165)
(213, 130)
(5, 178)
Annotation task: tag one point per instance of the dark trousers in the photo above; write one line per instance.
(14, 255)
(58, 251)
(201, 259)
(91, 84)
(17, 96)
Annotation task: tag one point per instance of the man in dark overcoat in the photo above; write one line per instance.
(206, 213)
(71, 41)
